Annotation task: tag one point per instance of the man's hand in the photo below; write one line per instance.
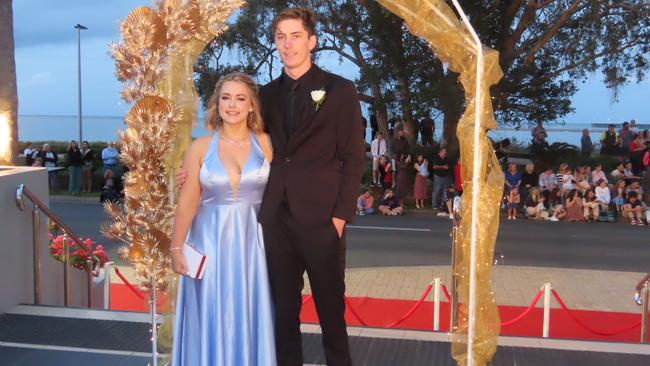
(181, 177)
(339, 225)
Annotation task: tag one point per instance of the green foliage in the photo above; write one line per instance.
(546, 49)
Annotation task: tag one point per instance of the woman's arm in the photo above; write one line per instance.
(188, 203)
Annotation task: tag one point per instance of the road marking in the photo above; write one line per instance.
(387, 228)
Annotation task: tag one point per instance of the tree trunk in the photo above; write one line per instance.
(380, 109)
(410, 127)
(8, 92)
(451, 105)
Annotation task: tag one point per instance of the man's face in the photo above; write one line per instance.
(294, 43)
(443, 153)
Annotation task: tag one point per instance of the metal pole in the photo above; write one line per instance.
(36, 231)
(644, 315)
(154, 335)
(89, 270)
(453, 319)
(107, 285)
(79, 28)
(547, 310)
(436, 304)
(67, 295)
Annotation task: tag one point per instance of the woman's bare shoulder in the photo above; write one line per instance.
(199, 146)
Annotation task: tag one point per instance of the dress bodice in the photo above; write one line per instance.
(215, 184)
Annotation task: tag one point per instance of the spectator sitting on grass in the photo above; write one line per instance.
(390, 204)
(365, 203)
(619, 194)
(634, 186)
(618, 172)
(603, 195)
(448, 196)
(590, 206)
(580, 179)
(628, 173)
(597, 175)
(513, 199)
(567, 178)
(555, 205)
(574, 207)
(547, 184)
(634, 209)
(529, 179)
(535, 205)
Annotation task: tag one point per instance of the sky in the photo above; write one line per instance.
(46, 64)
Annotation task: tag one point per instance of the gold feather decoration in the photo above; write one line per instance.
(154, 63)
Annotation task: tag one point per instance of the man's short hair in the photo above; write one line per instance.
(306, 15)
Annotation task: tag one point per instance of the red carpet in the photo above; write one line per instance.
(379, 312)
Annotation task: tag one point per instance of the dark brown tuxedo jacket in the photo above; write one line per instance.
(318, 170)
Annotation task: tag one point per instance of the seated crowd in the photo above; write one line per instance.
(584, 194)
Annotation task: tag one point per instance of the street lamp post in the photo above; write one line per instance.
(79, 28)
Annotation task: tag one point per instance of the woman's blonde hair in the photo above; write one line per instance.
(254, 121)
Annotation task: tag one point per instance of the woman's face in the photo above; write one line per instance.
(420, 158)
(234, 103)
(512, 168)
(85, 145)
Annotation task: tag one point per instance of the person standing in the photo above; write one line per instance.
(75, 162)
(87, 156)
(442, 177)
(586, 146)
(50, 160)
(399, 146)
(314, 120)
(427, 129)
(377, 149)
(539, 135)
(625, 138)
(30, 154)
(421, 167)
(224, 318)
(608, 141)
(110, 157)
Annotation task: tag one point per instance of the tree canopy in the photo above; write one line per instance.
(547, 48)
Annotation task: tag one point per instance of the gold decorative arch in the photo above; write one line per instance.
(154, 61)
(452, 42)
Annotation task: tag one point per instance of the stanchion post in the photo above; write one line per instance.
(644, 314)
(36, 232)
(89, 284)
(436, 304)
(547, 310)
(67, 294)
(107, 285)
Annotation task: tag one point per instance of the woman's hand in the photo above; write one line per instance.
(179, 263)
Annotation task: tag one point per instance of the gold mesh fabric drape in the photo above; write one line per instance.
(436, 22)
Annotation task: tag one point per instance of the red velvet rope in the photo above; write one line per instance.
(446, 293)
(128, 284)
(526, 312)
(306, 299)
(400, 320)
(585, 326)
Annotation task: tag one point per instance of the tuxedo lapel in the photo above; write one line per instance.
(309, 112)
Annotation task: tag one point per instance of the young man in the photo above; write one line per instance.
(442, 177)
(314, 120)
(377, 149)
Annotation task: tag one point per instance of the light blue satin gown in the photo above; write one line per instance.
(225, 318)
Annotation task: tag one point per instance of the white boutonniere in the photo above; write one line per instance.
(318, 96)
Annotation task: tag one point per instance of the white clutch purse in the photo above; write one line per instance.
(195, 261)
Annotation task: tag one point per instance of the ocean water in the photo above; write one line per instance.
(64, 128)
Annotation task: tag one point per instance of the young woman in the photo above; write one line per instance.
(50, 160)
(513, 178)
(591, 207)
(634, 209)
(87, 155)
(390, 205)
(403, 181)
(385, 172)
(603, 195)
(619, 194)
(225, 318)
(535, 205)
(555, 205)
(574, 207)
(421, 167)
(75, 162)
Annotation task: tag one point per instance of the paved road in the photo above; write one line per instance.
(419, 239)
